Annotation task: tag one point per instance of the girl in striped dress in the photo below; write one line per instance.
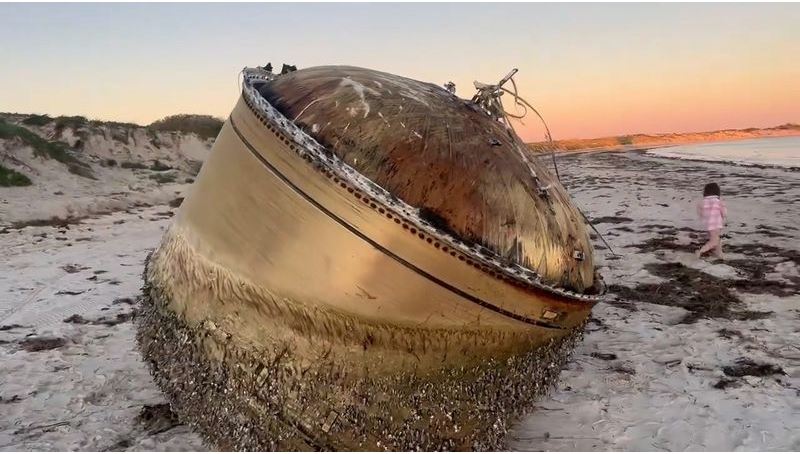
(713, 212)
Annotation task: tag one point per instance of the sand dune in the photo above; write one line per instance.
(79, 168)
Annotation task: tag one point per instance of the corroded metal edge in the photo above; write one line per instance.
(271, 399)
(376, 198)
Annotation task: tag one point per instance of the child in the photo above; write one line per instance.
(714, 214)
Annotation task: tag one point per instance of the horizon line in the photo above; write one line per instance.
(223, 119)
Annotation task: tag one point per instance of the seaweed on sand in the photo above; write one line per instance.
(38, 344)
(664, 242)
(745, 366)
(703, 295)
(157, 418)
(611, 220)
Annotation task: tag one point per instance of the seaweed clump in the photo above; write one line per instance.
(703, 295)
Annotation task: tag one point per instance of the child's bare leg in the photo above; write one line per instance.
(718, 249)
(706, 247)
(713, 242)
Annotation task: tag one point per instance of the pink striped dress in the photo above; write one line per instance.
(713, 213)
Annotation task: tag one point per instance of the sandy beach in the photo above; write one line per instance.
(684, 354)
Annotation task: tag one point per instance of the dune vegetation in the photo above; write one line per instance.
(10, 177)
(205, 126)
(45, 148)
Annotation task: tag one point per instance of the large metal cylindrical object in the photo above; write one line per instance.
(364, 262)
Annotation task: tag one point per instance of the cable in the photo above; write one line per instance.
(488, 97)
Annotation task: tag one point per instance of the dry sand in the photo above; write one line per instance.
(664, 364)
(88, 393)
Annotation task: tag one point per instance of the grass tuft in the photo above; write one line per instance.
(205, 126)
(73, 122)
(132, 165)
(10, 177)
(37, 120)
(159, 166)
(162, 178)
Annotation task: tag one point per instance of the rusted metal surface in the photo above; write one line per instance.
(439, 153)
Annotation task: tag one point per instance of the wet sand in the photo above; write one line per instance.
(684, 354)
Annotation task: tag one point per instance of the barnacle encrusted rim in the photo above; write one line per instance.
(179, 271)
(377, 198)
(242, 399)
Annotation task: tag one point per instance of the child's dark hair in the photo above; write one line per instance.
(711, 189)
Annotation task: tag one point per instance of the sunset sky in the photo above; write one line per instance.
(591, 69)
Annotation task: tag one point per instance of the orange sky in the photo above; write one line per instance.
(591, 69)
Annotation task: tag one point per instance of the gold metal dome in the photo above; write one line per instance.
(364, 262)
(468, 174)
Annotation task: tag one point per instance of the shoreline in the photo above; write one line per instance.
(655, 145)
(646, 149)
(720, 161)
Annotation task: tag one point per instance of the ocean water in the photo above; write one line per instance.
(770, 151)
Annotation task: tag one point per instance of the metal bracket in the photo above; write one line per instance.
(550, 315)
(329, 421)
